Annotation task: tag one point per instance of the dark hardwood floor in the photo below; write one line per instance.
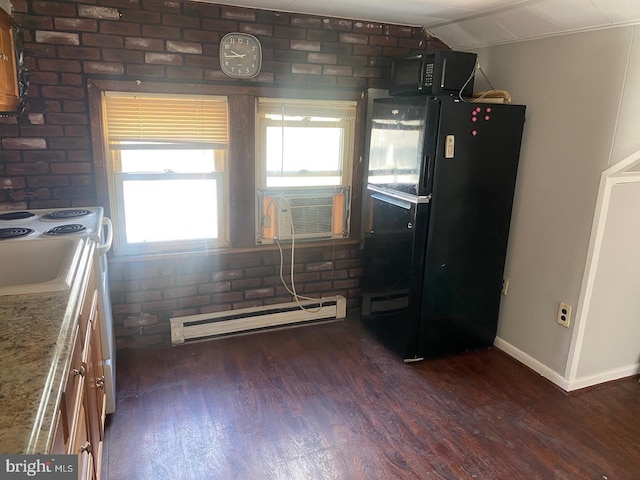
(327, 402)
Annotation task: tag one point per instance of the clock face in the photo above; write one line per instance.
(240, 55)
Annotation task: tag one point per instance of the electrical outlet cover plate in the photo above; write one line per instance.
(564, 314)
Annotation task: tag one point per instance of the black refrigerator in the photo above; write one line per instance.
(439, 194)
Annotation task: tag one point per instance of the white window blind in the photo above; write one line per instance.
(166, 119)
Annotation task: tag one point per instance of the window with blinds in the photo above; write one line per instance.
(166, 172)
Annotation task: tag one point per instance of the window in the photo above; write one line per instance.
(166, 164)
(305, 151)
(305, 142)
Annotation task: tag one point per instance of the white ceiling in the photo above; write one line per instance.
(468, 24)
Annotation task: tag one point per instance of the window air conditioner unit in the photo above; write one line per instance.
(302, 214)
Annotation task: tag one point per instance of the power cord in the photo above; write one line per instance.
(292, 290)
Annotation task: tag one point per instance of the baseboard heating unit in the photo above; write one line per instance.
(212, 325)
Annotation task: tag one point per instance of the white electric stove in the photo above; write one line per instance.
(24, 225)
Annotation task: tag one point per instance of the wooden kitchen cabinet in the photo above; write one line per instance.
(80, 425)
(8, 69)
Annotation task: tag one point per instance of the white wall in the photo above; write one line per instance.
(612, 329)
(573, 86)
(627, 139)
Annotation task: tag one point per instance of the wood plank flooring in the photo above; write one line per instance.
(328, 402)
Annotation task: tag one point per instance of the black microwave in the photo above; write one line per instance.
(440, 72)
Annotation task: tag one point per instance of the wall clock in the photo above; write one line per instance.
(240, 55)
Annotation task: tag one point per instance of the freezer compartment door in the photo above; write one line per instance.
(393, 259)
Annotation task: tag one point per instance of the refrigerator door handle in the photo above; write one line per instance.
(425, 172)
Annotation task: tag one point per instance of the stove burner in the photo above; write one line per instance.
(14, 232)
(58, 214)
(66, 229)
(16, 215)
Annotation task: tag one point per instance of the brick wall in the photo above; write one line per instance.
(46, 155)
(147, 292)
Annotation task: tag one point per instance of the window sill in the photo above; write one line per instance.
(125, 258)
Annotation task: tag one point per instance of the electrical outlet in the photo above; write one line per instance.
(505, 286)
(564, 314)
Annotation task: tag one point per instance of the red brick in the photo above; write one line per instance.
(24, 143)
(300, 68)
(202, 10)
(162, 5)
(180, 21)
(160, 305)
(76, 24)
(69, 143)
(328, 58)
(63, 92)
(367, 50)
(140, 16)
(70, 168)
(54, 9)
(104, 68)
(227, 297)
(246, 283)
(66, 118)
(141, 320)
(184, 47)
(337, 24)
(27, 169)
(322, 35)
(57, 38)
(163, 58)
(235, 13)
(79, 53)
(101, 40)
(144, 43)
(71, 79)
(11, 183)
(44, 78)
(102, 13)
(124, 56)
(48, 182)
(184, 73)
(215, 287)
(354, 38)
(179, 292)
(343, 71)
(146, 70)
(166, 33)
(305, 21)
(46, 64)
(256, 29)
(72, 192)
(305, 45)
(194, 301)
(128, 29)
(219, 25)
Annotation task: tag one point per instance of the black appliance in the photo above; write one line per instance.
(440, 72)
(440, 186)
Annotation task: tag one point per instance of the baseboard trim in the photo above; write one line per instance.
(532, 363)
(604, 377)
(559, 380)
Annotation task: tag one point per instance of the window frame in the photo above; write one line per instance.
(115, 178)
(241, 159)
(311, 108)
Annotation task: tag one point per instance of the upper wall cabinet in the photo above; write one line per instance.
(9, 97)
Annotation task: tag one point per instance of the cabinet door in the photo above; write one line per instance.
(94, 385)
(8, 75)
(83, 448)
